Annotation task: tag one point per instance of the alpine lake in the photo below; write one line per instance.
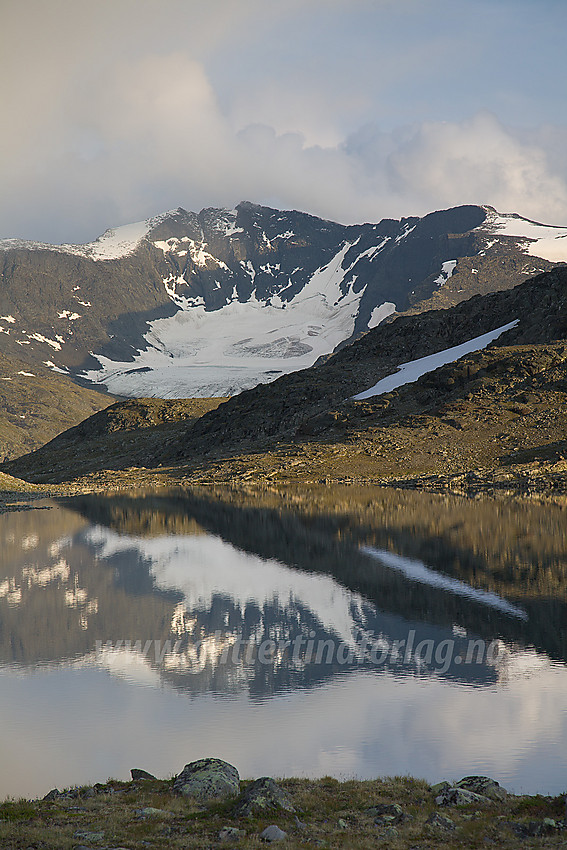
(330, 631)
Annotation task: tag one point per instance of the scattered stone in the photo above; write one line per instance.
(89, 836)
(263, 795)
(231, 833)
(342, 824)
(484, 786)
(149, 812)
(208, 779)
(273, 833)
(460, 797)
(535, 828)
(440, 822)
(299, 823)
(387, 814)
(136, 774)
(390, 832)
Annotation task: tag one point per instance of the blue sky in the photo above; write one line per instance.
(353, 110)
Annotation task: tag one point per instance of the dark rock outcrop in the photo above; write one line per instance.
(263, 796)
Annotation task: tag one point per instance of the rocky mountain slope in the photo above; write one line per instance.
(36, 405)
(488, 408)
(268, 412)
(198, 305)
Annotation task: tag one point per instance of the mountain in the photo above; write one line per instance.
(492, 395)
(208, 304)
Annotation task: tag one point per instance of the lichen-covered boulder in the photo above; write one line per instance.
(460, 797)
(439, 787)
(208, 779)
(386, 814)
(483, 785)
(263, 795)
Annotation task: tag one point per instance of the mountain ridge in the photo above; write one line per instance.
(210, 303)
(91, 317)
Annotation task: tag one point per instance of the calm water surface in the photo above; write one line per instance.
(349, 633)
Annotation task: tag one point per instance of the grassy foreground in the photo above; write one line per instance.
(329, 814)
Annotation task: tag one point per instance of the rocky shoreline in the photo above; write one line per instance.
(208, 805)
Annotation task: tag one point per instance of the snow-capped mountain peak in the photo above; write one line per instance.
(210, 303)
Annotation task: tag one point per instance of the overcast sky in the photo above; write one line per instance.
(354, 110)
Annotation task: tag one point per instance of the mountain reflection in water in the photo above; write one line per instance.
(260, 600)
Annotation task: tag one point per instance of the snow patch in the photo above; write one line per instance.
(447, 270)
(414, 369)
(51, 365)
(405, 232)
(375, 249)
(380, 313)
(225, 223)
(546, 241)
(40, 338)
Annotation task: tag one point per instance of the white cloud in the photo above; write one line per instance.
(479, 161)
(118, 110)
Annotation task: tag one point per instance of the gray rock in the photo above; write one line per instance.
(136, 774)
(264, 795)
(460, 797)
(89, 836)
(438, 821)
(273, 833)
(208, 779)
(53, 794)
(483, 785)
(440, 787)
(150, 812)
(342, 824)
(535, 828)
(231, 833)
(386, 813)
